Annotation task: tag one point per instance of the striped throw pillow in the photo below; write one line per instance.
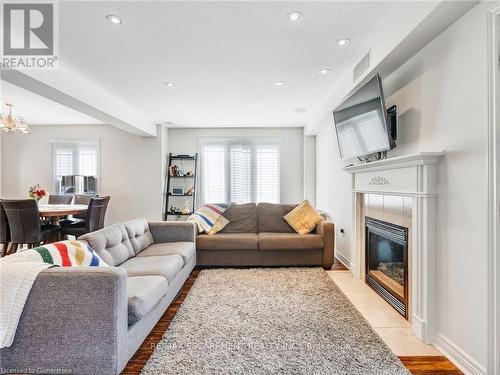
(206, 216)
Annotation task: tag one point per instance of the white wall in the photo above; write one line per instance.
(310, 168)
(441, 94)
(186, 140)
(333, 188)
(130, 167)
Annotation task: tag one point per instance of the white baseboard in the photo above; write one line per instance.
(418, 327)
(456, 355)
(343, 260)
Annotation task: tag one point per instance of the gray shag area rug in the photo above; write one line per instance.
(270, 321)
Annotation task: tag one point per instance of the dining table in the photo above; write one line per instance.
(56, 211)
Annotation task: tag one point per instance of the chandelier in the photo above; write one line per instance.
(10, 124)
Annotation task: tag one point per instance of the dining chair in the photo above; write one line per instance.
(78, 218)
(96, 213)
(25, 224)
(82, 199)
(60, 199)
(4, 231)
(103, 213)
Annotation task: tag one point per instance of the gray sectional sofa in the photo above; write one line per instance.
(257, 235)
(91, 320)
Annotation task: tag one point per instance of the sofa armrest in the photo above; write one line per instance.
(327, 230)
(74, 320)
(172, 231)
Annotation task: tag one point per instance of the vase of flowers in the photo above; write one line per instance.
(36, 192)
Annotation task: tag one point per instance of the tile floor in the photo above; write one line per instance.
(390, 326)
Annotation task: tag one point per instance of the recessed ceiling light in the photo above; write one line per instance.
(324, 71)
(278, 83)
(295, 16)
(115, 20)
(169, 84)
(300, 110)
(343, 42)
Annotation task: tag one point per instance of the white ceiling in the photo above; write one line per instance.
(38, 110)
(222, 56)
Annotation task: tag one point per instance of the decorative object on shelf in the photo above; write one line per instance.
(175, 171)
(177, 190)
(11, 124)
(182, 168)
(171, 171)
(36, 192)
(173, 210)
(186, 210)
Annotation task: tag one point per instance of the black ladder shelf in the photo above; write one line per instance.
(188, 163)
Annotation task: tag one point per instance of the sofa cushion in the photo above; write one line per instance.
(144, 293)
(111, 244)
(271, 217)
(289, 241)
(185, 249)
(139, 234)
(167, 266)
(242, 218)
(228, 241)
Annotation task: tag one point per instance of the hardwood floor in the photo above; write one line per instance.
(337, 266)
(427, 365)
(422, 365)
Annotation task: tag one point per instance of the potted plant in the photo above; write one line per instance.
(36, 192)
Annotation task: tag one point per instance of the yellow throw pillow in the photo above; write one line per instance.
(303, 218)
(219, 224)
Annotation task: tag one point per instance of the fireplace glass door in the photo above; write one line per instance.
(387, 262)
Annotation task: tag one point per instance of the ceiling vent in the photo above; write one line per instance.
(361, 67)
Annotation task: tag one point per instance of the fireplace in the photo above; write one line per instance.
(386, 262)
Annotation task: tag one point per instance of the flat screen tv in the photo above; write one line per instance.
(361, 122)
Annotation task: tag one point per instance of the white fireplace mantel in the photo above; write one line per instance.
(412, 176)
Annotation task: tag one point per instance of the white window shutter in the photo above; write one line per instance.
(240, 170)
(268, 177)
(241, 174)
(214, 176)
(64, 161)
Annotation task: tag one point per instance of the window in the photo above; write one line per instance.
(240, 170)
(213, 172)
(76, 167)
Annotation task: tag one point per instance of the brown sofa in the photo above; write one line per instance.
(257, 235)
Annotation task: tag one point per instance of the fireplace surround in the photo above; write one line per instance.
(414, 178)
